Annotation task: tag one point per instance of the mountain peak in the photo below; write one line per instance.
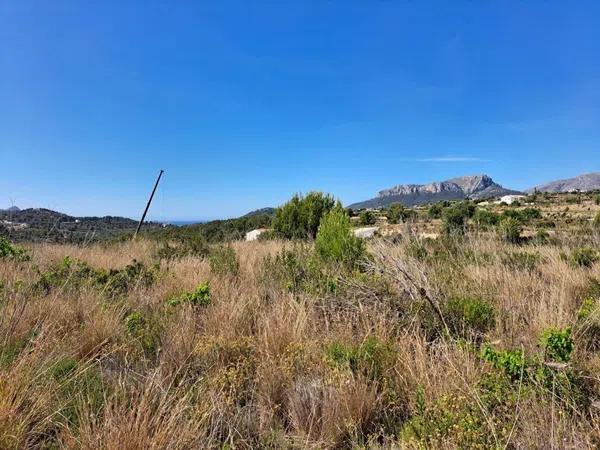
(459, 188)
(585, 182)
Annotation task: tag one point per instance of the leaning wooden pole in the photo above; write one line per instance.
(137, 230)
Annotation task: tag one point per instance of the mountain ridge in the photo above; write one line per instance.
(589, 181)
(475, 187)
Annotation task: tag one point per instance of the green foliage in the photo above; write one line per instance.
(194, 239)
(146, 331)
(72, 274)
(77, 384)
(584, 257)
(597, 199)
(397, 213)
(511, 362)
(366, 218)
(435, 211)
(335, 242)
(485, 218)
(11, 251)
(509, 230)
(468, 317)
(370, 358)
(300, 217)
(224, 261)
(198, 297)
(558, 344)
(454, 220)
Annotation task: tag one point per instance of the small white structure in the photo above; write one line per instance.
(365, 233)
(510, 199)
(254, 234)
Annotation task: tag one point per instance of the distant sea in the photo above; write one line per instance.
(179, 223)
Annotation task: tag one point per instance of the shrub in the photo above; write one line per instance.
(370, 358)
(584, 257)
(397, 213)
(557, 344)
(184, 245)
(144, 330)
(467, 316)
(301, 216)
(224, 261)
(11, 251)
(454, 218)
(509, 230)
(511, 362)
(485, 218)
(198, 297)
(435, 211)
(366, 218)
(597, 199)
(335, 241)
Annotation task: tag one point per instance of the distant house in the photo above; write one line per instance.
(365, 232)
(510, 199)
(254, 234)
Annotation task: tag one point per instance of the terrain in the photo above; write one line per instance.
(462, 325)
(584, 182)
(40, 224)
(467, 187)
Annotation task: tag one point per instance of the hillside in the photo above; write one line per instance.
(460, 188)
(40, 224)
(584, 183)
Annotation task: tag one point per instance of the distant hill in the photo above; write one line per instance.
(12, 209)
(40, 224)
(473, 187)
(262, 211)
(584, 182)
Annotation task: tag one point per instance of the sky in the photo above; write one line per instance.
(244, 103)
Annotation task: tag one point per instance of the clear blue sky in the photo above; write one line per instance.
(245, 103)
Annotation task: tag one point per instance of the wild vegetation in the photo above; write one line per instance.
(484, 336)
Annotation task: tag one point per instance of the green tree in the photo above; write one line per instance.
(454, 218)
(366, 218)
(300, 217)
(396, 213)
(509, 230)
(335, 242)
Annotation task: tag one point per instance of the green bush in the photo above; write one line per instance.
(335, 242)
(435, 211)
(485, 218)
(370, 358)
(366, 218)
(144, 330)
(454, 218)
(11, 251)
(584, 257)
(597, 199)
(522, 261)
(557, 344)
(509, 230)
(511, 362)
(397, 213)
(198, 297)
(468, 317)
(300, 217)
(224, 261)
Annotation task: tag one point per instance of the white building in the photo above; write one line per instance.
(510, 199)
(254, 234)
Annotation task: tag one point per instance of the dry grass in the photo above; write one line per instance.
(258, 368)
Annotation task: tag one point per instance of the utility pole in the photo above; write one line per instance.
(148, 205)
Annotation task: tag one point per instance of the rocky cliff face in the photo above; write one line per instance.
(467, 185)
(474, 187)
(584, 182)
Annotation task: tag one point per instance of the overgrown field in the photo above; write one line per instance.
(471, 340)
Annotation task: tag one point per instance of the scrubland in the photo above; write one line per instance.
(465, 341)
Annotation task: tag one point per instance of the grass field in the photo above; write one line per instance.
(456, 342)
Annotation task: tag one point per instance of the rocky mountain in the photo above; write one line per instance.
(473, 187)
(583, 182)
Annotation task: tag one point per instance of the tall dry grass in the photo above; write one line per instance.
(258, 367)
